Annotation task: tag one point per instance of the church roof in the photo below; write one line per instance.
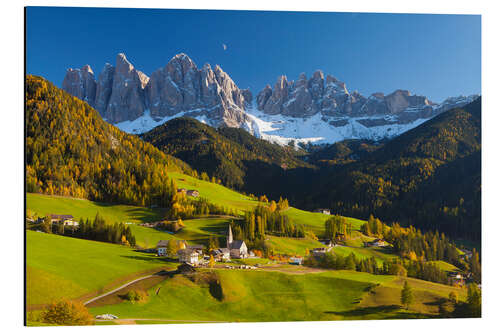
(237, 244)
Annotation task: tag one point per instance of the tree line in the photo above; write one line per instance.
(97, 229)
(264, 219)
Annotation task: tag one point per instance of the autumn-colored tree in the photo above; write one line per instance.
(172, 247)
(412, 256)
(67, 313)
(272, 206)
(211, 262)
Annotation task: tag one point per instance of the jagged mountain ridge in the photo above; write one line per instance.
(316, 110)
(123, 94)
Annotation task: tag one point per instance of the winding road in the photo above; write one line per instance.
(119, 288)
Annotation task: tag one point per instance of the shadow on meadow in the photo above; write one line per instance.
(160, 260)
(387, 312)
(142, 214)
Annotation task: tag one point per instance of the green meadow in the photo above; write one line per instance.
(316, 221)
(215, 193)
(292, 246)
(195, 231)
(276, 296)
(444, 266)
(247, 296)
(380, 254)
(42, 205)
(64, 267)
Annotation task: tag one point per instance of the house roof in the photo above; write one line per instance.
(237, 244)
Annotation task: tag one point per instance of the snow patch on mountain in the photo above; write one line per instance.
(317, 129)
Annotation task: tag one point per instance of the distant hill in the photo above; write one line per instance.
(71, 151)
(229, 154)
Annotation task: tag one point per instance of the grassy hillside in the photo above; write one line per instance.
(276, 296)
(81, 208)
(65, 267)
(316, 221)
(215, 193)
(291, 246)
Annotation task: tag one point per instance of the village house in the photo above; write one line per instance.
(376, 242)
(188, 256)
(197, 248)
(67, 220)
(457, 279)
(237, 248)
(327, 242)
(221, 254)
(296, 261)
(320, 251)
(192, 193)
(161, 247)
(322, 211)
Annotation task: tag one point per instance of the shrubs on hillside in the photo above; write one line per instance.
(136, 296)
(66, 313)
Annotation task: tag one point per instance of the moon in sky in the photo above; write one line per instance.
(224, 46)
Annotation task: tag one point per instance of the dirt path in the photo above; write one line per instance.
(119, 288)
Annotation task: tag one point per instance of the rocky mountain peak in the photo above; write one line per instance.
(330, 97)
(81, 83)
(122, 64)
(123, 93)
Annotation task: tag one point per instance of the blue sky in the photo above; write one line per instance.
(432, 55)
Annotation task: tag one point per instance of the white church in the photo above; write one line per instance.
(238, 249)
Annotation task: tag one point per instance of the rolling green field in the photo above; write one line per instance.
(292, 246)
(247, 296)
(276, 296)
(444, 266)
(42, 205)
(316, 221)
(380, 254)
(65, 267)
(215, 193)
(196, 231)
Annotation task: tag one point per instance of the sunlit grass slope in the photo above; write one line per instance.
(65, 267)
(81, 208)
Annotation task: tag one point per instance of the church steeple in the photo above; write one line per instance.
(229, 239)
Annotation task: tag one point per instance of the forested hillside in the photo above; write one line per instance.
(429, 177)
(230, 154)
(71, 151)
(343, 152)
